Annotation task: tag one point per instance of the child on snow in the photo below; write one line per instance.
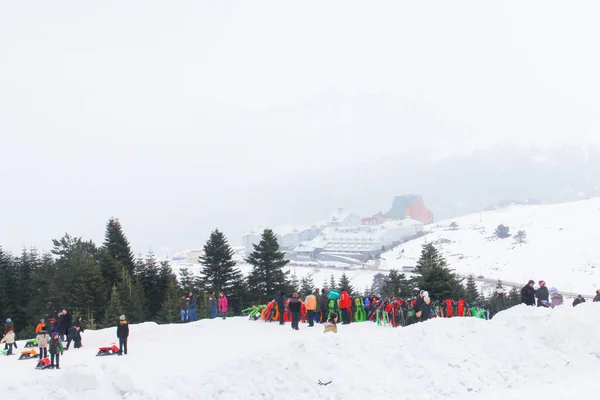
(122, 334)
(56, 349)
(43, 338)
(74, 336)
(331, 324)
(9, 339)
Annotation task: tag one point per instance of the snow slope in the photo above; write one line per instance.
(521, 350)
(561, 247)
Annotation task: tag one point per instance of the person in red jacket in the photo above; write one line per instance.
(345, 304)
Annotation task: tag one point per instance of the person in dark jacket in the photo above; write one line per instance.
(323, 306)
(280, 301)
(578, 300)
(122, 334)
(55, 348)
(500, 300)
(183, 307)
(74, 336)
(212, 305)
(318, 308)
(295, 308)
(528, 294)
(597, 296)
(542, 294)
(64, 324)
(192, 307)
(419, 300)
(424, 312)
(79, 322)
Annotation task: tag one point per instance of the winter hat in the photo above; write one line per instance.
(530, 282)
(425, 293)
(8, 320)
(52, 320)
(55, 334)
(541, 283)
(553, 291)
(122, 318)
(500, 291)
(295, 295)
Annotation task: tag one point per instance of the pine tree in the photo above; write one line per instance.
(521, 236)
(114, 309)
(332, 284)
(367, 292)
(472, 292)
(148, 272)
(345, 284)
(377, 286)
(454, 225)
(219, 271)
(325, 287)
(499, 285)
(294, 286)
(131, 297)
(169, 312)
(435, 276)
(117, 245)
(396, 284)
(514, 297)
(307, 286)
(267, 277)
(502, 232)
(186, 281)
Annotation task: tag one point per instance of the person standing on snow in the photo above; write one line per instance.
(223, 304)
(123, 334)
(323, 304)
(280, 301)
(528, 294)
(9, 339)
(317, 305)
(55, 348)
(542, 294)
(500, 300)
(8, 327)
(311, 306)
(192, 307)
(40, 326)
(419, 300)
(295, 306)
(578, 300)
(212, 305)
(43, 338)
(345, 304)
(183, 306)
(557, 299)
(597, 296)
(424, 312)
(64, 324)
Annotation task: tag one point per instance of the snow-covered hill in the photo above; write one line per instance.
(523, 352)
(562, 245)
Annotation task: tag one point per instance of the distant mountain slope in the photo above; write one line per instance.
(562, 245)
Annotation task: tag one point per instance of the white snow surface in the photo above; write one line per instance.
(561, 246)
(524, 351)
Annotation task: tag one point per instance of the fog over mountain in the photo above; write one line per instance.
(179, 117)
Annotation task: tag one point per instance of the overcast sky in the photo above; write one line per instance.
(178, 117)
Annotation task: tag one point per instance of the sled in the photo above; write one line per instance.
(43, 364)
(31, 343)
(4, 352)
(360, 314)
(28, 354)
(108, 351)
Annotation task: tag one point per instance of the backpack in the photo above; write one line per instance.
(53, 347)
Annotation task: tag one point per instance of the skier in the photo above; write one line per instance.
(323, 304)
(578, 300)
(192, 308)
(122, 334)
(43, 338)
(500, 300)
(311, 306)
(9, 339)
(528, 294)
(542, 294)
(223, 304)
(295, 306)
(557, 299)
(345, 307)
(55, 348)
(183, 306)
(280, 301)
(597, 296)
(212, 304)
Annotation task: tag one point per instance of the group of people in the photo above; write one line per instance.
(547, 297)
(187, 305)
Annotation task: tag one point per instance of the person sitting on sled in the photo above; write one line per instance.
(9, 339)
(56, 349)
(43, 338)
(331, 324)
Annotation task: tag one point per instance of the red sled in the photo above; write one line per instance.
(108, 351)
(43, 364)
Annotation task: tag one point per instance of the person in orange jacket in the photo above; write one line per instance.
(345, 304)
(311, 306)
(41, 326)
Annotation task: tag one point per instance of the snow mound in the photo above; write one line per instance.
(523, 349)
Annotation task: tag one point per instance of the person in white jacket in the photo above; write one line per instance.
(43, 338)
(9, 339)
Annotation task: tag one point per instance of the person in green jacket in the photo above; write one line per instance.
(55, 348)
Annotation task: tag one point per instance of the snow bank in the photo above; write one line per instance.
(521, 351)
